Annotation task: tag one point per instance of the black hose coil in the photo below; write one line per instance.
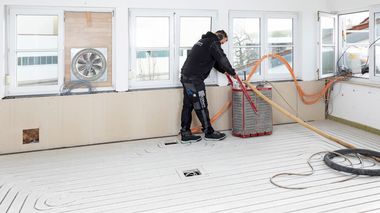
(359, 171)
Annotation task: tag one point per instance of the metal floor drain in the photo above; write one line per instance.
(192, 172)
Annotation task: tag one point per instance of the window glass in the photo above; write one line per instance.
(152, 31)
(36, 50)
(246, 45)
(152, 65)
(192, 28)
(280, 41)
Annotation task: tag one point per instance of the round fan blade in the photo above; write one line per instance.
(97, 61)
(97, 67)
(81, 60)
(81, 67)
(92, 56)
(85, 57)
(85, 72)
(93, 71)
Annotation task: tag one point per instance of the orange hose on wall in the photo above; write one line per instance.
(315, 97)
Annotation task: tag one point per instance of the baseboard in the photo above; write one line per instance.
(354, 124)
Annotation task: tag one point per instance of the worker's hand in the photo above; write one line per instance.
(235, 76)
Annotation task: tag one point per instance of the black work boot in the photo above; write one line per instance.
(187, 137)
(215, 136)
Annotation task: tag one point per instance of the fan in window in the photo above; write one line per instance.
(89, 65)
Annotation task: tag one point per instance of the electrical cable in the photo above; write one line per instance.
(369, 47)
(67, 88)
(341, 56)
(311, 172)
(283, 98)
(330, 155)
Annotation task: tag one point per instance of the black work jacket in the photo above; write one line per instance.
(204, 55)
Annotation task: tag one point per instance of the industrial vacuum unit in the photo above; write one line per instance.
(247, 123)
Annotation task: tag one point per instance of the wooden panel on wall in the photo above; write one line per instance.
(88, 30)
(66, 121)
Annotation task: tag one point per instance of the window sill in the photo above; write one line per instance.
(363, 82)
(56, 94)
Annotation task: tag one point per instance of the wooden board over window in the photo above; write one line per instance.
(88, 30)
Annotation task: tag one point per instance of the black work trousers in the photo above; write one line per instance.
(194, 97)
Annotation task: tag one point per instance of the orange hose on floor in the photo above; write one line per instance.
(315, 97)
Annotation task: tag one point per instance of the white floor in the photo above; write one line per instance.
(147, 176)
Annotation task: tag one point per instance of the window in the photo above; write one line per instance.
(377, 44)
(344, 44)
(39, 40)
(257, 34)
(354, 42)
(327, 44)
(280, 41)
(35, 43)
(160, 41)
(191, 28)
(374, 68)
(246, 42)
(152, 48)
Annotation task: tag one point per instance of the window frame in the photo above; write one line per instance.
(9, 74)
(212, 78)
(174, 45)
(342, 47)
(11, 87)
(295, 34)
(335, 44)
(265, 46)
(372, 37)
(248, 14)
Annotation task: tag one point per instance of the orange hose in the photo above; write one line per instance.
(315, 97)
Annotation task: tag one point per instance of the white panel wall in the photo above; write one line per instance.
(356, 103)
(352, 101)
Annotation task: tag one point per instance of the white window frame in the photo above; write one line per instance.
(12, 88)
(321, 45)
(341, 46)
(212, 78)
(264, 48)
(134, 84)
(372, 33)
(248, 14)
(174, 27)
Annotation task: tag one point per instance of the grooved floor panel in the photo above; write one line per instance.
(147, 176)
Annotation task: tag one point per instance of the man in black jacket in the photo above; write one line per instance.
(205, 54)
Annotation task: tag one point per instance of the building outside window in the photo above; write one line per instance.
(256, 34)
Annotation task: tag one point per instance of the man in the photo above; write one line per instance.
(204, 55)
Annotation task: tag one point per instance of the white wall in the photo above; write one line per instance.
(307, 12)
(356, 100)
(347, 5)
(358, 103)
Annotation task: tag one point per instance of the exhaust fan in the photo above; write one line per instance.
(89, 64)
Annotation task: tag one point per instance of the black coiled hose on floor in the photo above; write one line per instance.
(328, 159)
